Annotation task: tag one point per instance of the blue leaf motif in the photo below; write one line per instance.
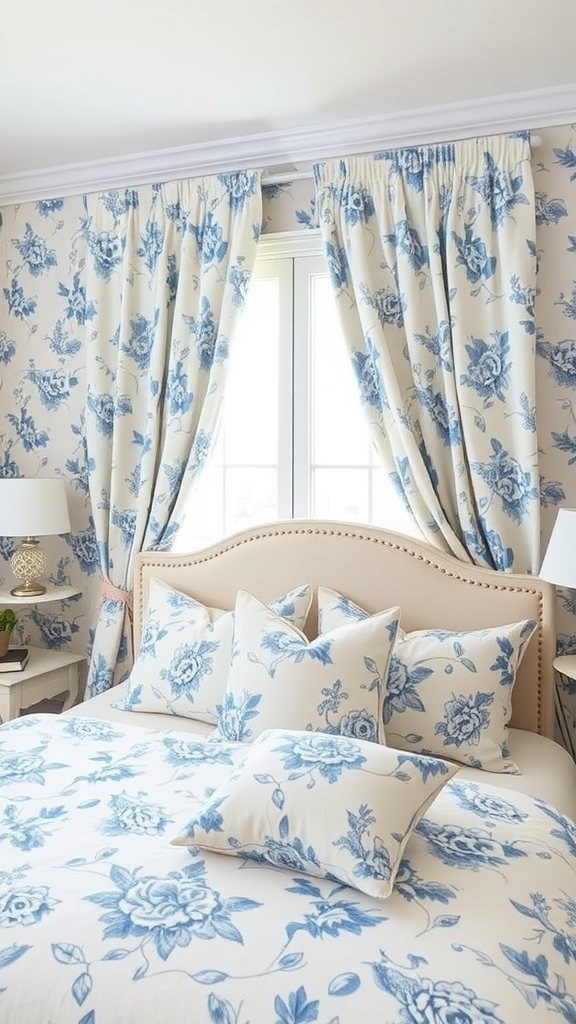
(468, 664)
(286, 963)
(416, 961)
(445, 920)
(229, 931)
(66, 953)
(209, 977)
(10, 954)
(82, 987)
(537, 967)
(120, 876)
(221, 1011)
(106, 853)
(344, 984)
(298, 1010)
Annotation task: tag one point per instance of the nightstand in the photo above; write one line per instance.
(52, 594)
(565, 666)
(47, 674)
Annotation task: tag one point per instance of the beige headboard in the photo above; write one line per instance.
(376, 569)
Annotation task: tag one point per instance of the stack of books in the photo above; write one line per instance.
(15, 660)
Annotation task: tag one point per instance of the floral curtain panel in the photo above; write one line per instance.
(167, 271)
(432, 256)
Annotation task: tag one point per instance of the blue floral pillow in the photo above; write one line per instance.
(279, 679)
(448, 693)
(326, 805)
(186, 649)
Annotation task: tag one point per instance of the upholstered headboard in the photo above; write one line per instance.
(376, 569)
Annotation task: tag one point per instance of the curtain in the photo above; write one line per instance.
(168, 268)
(432, 257)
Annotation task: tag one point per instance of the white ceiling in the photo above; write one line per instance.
(84, 81)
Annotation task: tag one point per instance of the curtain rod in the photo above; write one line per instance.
(283, 177)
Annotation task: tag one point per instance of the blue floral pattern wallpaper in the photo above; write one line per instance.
(45, 319)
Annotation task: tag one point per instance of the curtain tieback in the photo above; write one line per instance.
(107, 590)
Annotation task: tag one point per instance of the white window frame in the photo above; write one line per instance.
(305, 249)
(294, 442)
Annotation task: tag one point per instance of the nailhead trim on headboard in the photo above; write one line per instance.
(370, 535)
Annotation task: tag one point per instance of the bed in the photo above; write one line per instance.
(341, 803)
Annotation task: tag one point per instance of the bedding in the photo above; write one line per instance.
(103, 919)
(115, 910)
(546, 769)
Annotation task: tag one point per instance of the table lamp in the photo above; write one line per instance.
(31, 507)
(559, 564)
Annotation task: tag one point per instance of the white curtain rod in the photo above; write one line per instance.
(283, 177)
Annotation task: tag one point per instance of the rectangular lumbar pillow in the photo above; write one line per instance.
(186, 650)
(280, 679)
(327, 805)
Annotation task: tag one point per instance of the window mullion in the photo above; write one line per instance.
(283, 270)
(304, 268)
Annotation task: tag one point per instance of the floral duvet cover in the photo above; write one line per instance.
(103, 921)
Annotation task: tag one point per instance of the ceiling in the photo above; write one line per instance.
(89, 81)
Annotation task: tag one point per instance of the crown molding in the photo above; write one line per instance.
(534, 109)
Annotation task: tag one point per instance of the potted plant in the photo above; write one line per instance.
(7, 623)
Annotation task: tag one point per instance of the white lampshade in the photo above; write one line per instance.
(33, 507)
(559, 565)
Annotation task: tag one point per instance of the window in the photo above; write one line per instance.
(293, 441)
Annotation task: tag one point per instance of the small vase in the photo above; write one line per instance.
(4, 641)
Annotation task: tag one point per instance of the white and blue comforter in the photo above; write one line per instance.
(102, 921)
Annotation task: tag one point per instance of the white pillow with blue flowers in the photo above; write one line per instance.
(280, 679)
(448, 693)
(326, 805)
(186, 649)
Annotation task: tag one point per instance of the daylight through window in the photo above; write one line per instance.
(293, 442)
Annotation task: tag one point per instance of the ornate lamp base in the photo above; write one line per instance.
(28, 562)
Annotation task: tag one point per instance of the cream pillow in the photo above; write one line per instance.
(448, 692)
(327, 805)
(185, 653)
(280, 679)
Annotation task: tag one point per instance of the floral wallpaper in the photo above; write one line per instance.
(45, 320)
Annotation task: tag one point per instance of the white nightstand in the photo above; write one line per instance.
(52, 594)
(565, 665)
(47, 674)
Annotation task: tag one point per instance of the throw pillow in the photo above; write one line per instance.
(185, 653)
(280, 679)
(326, 805)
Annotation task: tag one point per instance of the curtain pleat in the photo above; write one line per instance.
(168, 269)
(432, 258)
